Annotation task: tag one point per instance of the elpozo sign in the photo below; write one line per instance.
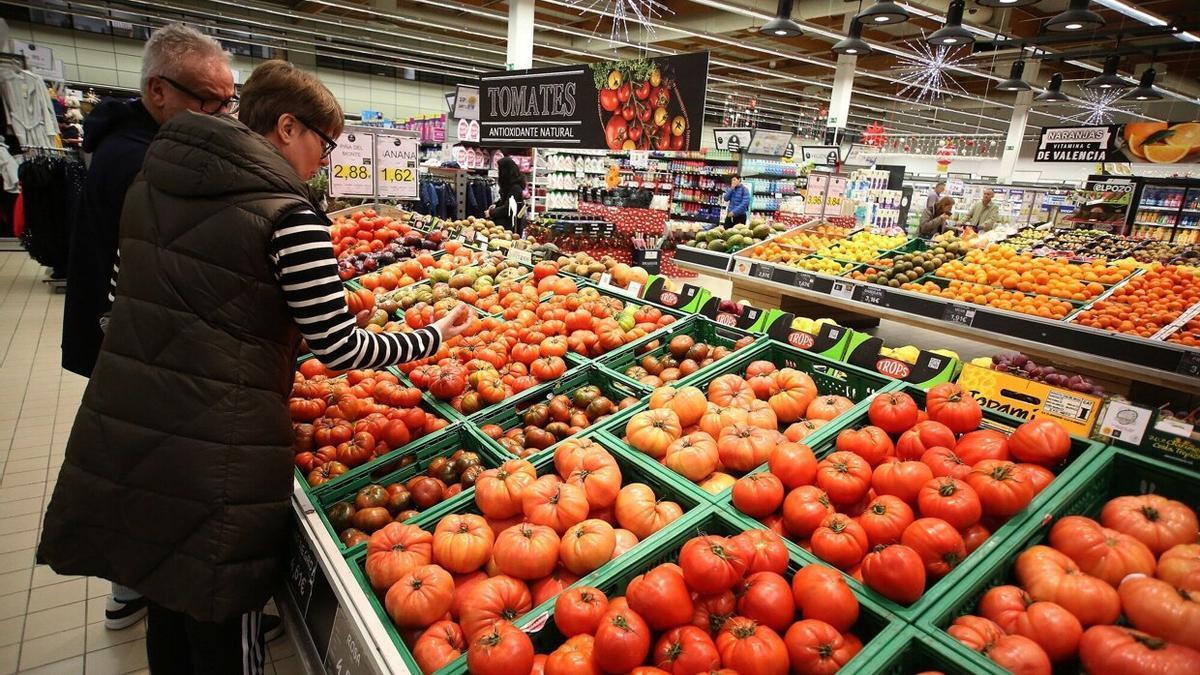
(636, 104)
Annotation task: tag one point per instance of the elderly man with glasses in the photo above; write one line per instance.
(182, 70)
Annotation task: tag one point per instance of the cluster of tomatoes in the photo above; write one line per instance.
(1146, 303)
(726, 606)
(541, 425)
(500, 356)
(899, 503)
(708, 437)
(640, 109)
(339, 423)
(364, 231)
(531, 538)
(1140, 561)
(408, 271)
(375, 505)
(682, 356)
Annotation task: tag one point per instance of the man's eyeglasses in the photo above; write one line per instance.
(329, 143)
(207, 105)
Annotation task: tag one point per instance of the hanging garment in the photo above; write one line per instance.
(50, 187)
(29, 110)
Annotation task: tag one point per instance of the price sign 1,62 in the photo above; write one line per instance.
(397, 175)
(351, 172)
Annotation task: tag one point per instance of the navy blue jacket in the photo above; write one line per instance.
(117, 132)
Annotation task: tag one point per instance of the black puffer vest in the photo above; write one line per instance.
(178, 470)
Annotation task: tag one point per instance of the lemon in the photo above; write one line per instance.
(1186, 135)
(1165, 154)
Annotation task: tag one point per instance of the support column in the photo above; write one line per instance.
(1016, 126)
(520, 34)
(839, 99)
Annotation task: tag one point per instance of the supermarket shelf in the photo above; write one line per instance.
(1157, 208)
(1154, 224)
(692, 201)
(700, 189)
(1069, 344)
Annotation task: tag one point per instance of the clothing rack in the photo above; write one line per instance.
(455, 177)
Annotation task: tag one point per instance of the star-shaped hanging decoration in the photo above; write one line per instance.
(624, 12)
(1099, 106)
(926, 74)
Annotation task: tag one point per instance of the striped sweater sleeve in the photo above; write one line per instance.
(307, 271)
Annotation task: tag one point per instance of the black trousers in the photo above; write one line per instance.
(735, 219)
(177, 644)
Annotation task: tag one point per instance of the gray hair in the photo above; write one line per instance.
(171, 47)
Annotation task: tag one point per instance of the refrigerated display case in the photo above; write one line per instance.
(1166, 209)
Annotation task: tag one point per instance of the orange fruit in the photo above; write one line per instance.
(1165, 154)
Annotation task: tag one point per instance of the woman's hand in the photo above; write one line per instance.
(453, 324)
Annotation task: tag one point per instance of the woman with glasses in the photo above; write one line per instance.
(178, 470)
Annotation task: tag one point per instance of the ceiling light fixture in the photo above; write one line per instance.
(1053, 93)
(1014, 81)
(882, 13)
(782, 25)
(1077, 16)
(1109, 78)
(853, 44)
(952, 34)
(1006, 3)
(1145, 90)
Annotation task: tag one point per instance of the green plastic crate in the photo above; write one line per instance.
(700, 328)
(1084, 452)
(1115, 472)
(613, 386)
(632, 471)
(451, 439)
(831, 377)
(910, 651)
(875, 627)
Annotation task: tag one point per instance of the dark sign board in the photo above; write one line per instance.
(636, 104)
(1078, 144)
(733, 139)
(1157, 142)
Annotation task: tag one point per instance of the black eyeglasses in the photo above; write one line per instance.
(329, 143)
(207, 105)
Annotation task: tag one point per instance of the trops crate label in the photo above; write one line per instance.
(830, 340)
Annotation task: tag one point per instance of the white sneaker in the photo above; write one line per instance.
(119, 615)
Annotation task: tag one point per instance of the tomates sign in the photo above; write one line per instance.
(636, 104)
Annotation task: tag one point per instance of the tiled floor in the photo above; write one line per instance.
(49, 623)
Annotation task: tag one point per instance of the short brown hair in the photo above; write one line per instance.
(277, 87)
(943, 203)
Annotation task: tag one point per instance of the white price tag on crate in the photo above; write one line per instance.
(1124, 422)
(843, 289)
(606, 279)
(635, 289)
(519, 256)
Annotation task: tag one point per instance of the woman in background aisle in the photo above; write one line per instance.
(509, 211)
(935, 219)
(178, 471)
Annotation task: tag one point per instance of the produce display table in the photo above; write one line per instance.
(1086, 350)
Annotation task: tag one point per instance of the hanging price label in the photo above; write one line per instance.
(350, 165)
(843, 289)
(396, 157)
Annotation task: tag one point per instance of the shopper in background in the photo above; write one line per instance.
(934, 195)
(738, 197)
(117, 133)
(509, 210)
(984, 214)
(936, 219)
(178, 471)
